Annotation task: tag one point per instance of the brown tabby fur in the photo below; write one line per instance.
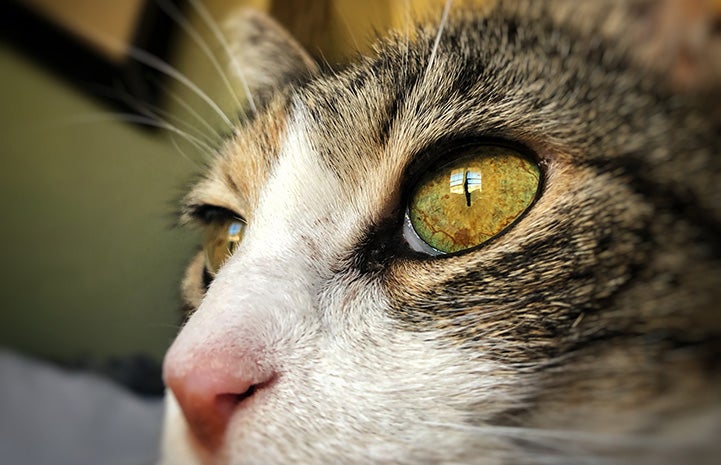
(602, 304)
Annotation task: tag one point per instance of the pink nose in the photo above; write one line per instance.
(210, 387)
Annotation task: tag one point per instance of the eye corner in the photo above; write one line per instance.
(417, 245)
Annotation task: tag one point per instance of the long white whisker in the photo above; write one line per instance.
(444, 20)
(347, 26)
(220, 37)
(173, 12)
(183, 153)
(107, 117)
(164, 116)
(187, 107)
(137, 119)
(406, 54)
(558, 434)
(149, 121)
(210, 134)
(158, 64)
(167, 119)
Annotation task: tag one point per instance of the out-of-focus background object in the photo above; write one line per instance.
(55, 417)
(107, 27)
(90, 257)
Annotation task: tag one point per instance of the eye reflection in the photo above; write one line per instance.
(464, 181)
(221, 240)
(234, 231)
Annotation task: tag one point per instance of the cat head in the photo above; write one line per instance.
(360, 319)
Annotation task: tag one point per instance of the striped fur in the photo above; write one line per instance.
(589, 332)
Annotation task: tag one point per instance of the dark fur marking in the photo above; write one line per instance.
(664, 198)
(231, 183)
(207, 279)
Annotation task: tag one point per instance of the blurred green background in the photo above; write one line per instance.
(90, 257)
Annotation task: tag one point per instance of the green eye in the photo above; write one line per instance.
(221, 240)
(467, 202)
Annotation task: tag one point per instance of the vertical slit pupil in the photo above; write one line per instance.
(465, 189)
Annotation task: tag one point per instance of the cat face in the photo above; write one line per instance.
(341, 329)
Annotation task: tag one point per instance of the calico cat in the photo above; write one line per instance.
(495, 241)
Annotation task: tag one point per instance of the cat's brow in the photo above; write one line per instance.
(242, 167)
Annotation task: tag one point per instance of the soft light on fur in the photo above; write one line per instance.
(586, 333)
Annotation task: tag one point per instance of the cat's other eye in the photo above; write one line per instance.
(222, 237)
(466, 202)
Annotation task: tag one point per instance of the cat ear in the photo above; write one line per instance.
(264, 56)
(683, 39)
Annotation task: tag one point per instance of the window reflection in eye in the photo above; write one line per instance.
(222, 238)
(234, 231)
(464, 181)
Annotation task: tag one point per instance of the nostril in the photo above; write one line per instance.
(227, 403)
(210, 391)
(238, 398)
(206, 412)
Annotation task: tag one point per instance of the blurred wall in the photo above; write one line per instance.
(90, 258)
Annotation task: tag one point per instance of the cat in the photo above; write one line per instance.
(494, 241)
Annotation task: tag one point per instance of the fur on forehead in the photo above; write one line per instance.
(334, 101)
(242, 166)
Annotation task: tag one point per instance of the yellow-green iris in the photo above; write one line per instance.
(467, 202)
(221, 240)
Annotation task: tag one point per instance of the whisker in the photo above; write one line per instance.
(444, 20)
(344, 20)
(175, 14)
(154, 111)
(200, 136)
(165, 68)
(101, 117)
(194, 113)
(195, 141)
(220, 37)
(183, 153)
(158, 64)
(408, 25)
(519, 432)
(166, 326)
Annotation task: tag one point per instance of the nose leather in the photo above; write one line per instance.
(210, 387)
